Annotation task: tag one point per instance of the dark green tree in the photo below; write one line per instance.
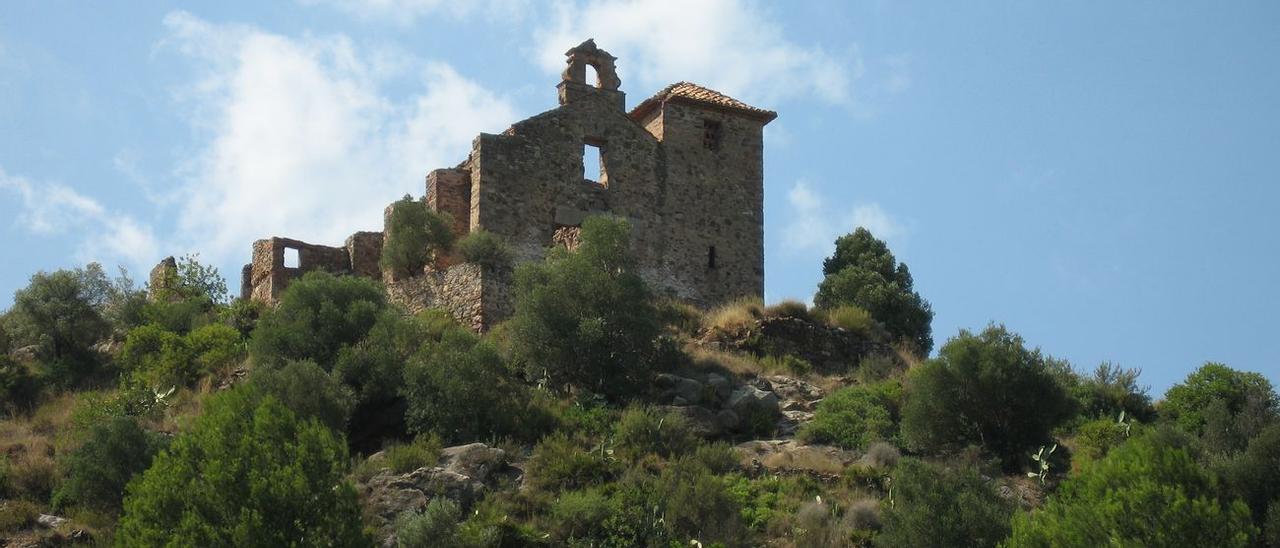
(248, 473)
(863, 272)
(934, 506)
(98, 471)
(318, 316)
(1254, 474)
(415, 236)
(61, 313)
(585, 319)
(986, 389)
(1226, 406)
(1146, 492)
(308, 391)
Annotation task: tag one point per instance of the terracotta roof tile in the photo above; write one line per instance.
(693, 92)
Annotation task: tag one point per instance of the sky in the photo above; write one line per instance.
(1100, 177)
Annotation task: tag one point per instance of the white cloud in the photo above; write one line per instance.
(406, 12)
(730, 45)
(299, 138)
(812, 226)
(49, 209)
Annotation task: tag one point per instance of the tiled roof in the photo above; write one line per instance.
(693, 92)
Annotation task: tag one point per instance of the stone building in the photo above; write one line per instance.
(685, 167)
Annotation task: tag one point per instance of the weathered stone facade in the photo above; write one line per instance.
(685, 167)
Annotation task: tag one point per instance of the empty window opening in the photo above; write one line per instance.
(711, 257)
(593, 164)
(711, 131)
(592, 77)
(291, 259)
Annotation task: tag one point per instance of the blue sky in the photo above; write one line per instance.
(1100, 177)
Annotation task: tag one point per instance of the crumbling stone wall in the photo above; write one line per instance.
(162, 277)
(685, 168)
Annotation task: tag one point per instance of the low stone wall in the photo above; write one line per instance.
(477, 297)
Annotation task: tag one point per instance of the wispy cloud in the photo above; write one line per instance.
(50, 209)
(317, 165)
(406, 12)
(812, 226)
(731, 45)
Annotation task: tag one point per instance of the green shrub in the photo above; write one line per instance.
(1271, 530)
(881, 456)
(560, 463)
(852, 318)
(579, 515)
(374, 366)
(934, 506)
(308, 391)
(584, 319)
(97, 472)
(986, 389)
(242, 315)
(435, 526)
(1240, 400)
(853, 417)
(697, 504)
(424, 451)
(161, 357)
(1112, 389)
(683, 317)
(28, 475)
(647, 431)
(415, 236)
(788, 363)
(190, 279)
(179, 316)
(318, 316)
(1143, 493)
(485, 249)
(19, 388)
(863, 272)
(460, 389)
(1094, 439)
(1254, 474)
(16, 515)
(246, 473)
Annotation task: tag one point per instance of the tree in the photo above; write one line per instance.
(190, 279)
(1254, 475)
(585, 319)
(460, 389)
(415, 236)
(1143, 493)
(986, 389)
(1218, 401)
(318, 315)
(248, 473)
(934, 506)
(98, 471)
(308, 391)
(862, 272)
(60, 313)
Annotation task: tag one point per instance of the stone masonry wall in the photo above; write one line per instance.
(474, 296)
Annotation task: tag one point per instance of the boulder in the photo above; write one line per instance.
(50, 521)
(745, 399)
(689, 389)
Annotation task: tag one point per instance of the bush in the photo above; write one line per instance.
(485, 249)
(16, 515)
(697, 504)
(460, 389)
(853, 417)
(987, 390)
(789, 363)
(736, 315)
(19, 387)
(308, 391)
(424, 451)
(934, 506)
(862, 272)
(559, 463)
(584, 319)
(853, 318)
(579, 515)
(163, 358)
(1094, 439)
(1241, 400)
(1144, 493)
(435, 526)
(191, 280)
(415, 236)
(242, 315)
(881, 456)
(646, 431)
(789, 308)
(1271, 531)
(878, 367)
(60, 313)
(1112, 389)
(1254, 475)
(318, 316)
(97, 472)
(246, 473)
(28, 475)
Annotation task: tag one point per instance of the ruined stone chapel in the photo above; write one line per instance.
(684, 167)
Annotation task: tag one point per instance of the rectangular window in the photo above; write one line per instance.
(593, 164)
(711, 131)
(711, 257)
(291, 259)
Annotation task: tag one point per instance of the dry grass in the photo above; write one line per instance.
(852, 318)
(735, 363)
(735, 315)
(789, 308)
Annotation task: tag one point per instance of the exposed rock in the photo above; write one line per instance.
(720, 386)
(791, 421)
(461, 475)
(689, 389)
(790, 457)
(796, 395)
(748, 398)
(233, 378)
(26, 354)
(50, 521)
